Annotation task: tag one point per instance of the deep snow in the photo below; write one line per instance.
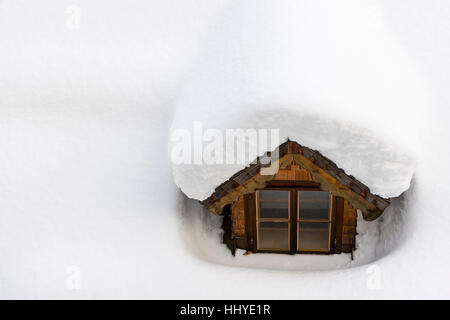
(85, 116)
(326, 75)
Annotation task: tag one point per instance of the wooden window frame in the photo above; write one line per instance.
(329, 221)
(253, 228)
(258, 220)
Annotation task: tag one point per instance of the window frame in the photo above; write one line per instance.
(329, 221)
(293, 223)
(288, 220)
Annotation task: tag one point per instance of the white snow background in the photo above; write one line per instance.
(86, 112)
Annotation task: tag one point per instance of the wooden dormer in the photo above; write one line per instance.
(308, 205)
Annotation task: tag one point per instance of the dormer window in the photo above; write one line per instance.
(308, 206)
(313, 220)
(273, 220)
(290, 217)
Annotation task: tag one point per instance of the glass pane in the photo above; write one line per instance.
(314, 205)
(273, 235)
(273, 204)
(313, 235)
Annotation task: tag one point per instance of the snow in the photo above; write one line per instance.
(350, 92)
(384, 166)
(88, 204)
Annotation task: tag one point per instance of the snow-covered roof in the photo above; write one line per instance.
(242, 182)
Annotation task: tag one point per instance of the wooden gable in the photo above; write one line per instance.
(299, 163)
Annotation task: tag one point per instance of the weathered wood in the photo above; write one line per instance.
(227, 230)
(299, 163)
(292, 172)
(333, 224)
(249, 219)
(293, 221)
(329, 183)
(338, 223)
(238, 218)
(349, 227)
(258, 181)
(292, 183)
(350, 230)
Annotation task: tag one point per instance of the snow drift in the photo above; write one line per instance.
(325, 75)
(84, 121)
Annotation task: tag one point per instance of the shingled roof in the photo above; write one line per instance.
(249, 178)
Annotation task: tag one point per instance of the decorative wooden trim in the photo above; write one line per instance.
(254, 183)
(292, 183)
(322, 170)
(329, 183)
